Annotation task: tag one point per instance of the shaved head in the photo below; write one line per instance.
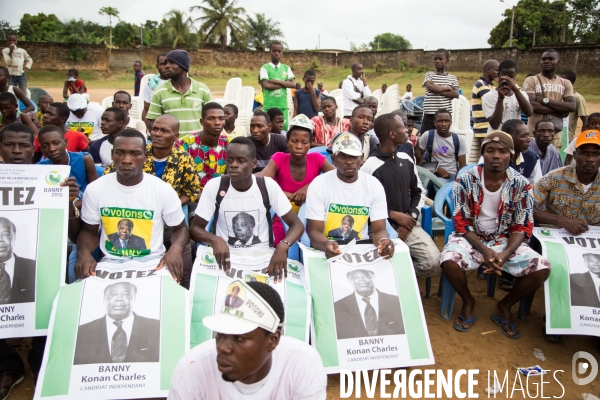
(171, 120)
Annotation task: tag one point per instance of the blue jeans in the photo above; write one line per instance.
(20, 82)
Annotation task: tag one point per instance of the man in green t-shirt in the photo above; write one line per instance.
(275, 79)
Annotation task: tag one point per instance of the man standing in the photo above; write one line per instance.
(275, 79)
(354, 89)
(493, 221)
(404, 193)
(508, 101)
(580, 112)
(154, 82)
(85, 118)
(346, 191)
(139, 74)
(122, 100)
(148, 201)
(550, 95)
(440, 88)
(207, 148)
(182, 96)
(18, 62)
(542, 146)
(482, 86)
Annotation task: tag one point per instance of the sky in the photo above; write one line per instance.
(308, 24)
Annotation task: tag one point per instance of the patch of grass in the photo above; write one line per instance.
(216, 78)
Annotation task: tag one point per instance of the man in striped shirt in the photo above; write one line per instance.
(181, 96)
(440, 88)
(482, 86)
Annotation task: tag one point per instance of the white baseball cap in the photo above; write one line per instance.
(253, 312)
(76, 102)
(301, 121)
(347, 143)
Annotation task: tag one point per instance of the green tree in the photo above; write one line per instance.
(221, 16)
(262, 31)
(111, 12)
(585, 20)
(40, 28)
(177, 31)
(126, 35)
(390, 41)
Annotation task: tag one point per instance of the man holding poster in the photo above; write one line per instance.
(343, 192)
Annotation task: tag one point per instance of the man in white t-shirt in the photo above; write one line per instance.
(153, 82)
(354, 89)
(142, 203)
(249, 358)
(242, 223)
(84, 117)
(408, 94)
(345, 195)
(508, 101)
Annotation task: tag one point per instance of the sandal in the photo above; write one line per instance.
(500, 322)
(461, 327)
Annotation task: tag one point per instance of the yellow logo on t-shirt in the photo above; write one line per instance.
(86, 128)
(128, 231)
(345, 222)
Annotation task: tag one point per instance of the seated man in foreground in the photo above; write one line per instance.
(343, 192)
(493, 221)
(253, 359)
(239, 205)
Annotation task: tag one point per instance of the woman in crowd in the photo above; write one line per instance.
(296, 170)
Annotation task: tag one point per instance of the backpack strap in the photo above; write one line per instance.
(225, 181)
(456, 142)
(260, 181)
(429, 148)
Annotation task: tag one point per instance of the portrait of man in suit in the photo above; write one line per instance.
(17, 274)
(123, 237)
(120, 336)
(233, 300)
(345, 231)
(367, 311)
(585, 287)
(243, 230)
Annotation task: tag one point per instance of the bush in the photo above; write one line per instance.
(402, 67)
(379, 67)
(77, 54)
(314, 64)
(423, 68)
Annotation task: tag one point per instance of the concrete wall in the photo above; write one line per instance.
(49, 56)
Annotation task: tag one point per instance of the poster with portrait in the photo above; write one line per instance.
(209, 291)
(345, 222)
(367, 311)
(115, 339)
(572, 291)
(128, 231)
(33, 245)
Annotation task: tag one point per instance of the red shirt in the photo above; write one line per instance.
(76, 141)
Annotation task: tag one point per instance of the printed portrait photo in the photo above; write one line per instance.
(345, 231)
(366, 301)
(584, 278)
(242, 228)
(125, 237)
(18, 254)
(119, 322)
(235, 297)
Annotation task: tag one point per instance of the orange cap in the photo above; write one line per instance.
(588, 137)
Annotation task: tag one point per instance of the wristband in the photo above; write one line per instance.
(77, 214)
(382, 239)
(286, 242)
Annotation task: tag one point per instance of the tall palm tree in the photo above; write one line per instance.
(219, 16)
(177, 30)
(262, 31)
(111, 12)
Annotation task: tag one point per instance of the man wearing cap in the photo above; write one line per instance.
(84, 118)
(249, 358)
(493, 221)
(569, 197)
(181, 96)
(343, 192)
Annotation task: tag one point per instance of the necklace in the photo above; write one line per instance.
(336, 121)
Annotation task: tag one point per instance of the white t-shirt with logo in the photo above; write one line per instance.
(296, 373)
(242, 215)
(512, 110)
(346, 207)
(132, 218)
(89, 124)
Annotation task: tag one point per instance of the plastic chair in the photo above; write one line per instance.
(144, 84)
(322, 150)
(137, 106)
(336, 93)
(426, 176)
(419, 101)
(391, 99)
(465, 169)
(107, 102)
(35, 93)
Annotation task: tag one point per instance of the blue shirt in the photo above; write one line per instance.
(77, 169)
(305, 105)
(159, 167)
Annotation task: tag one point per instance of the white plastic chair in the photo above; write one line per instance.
(246, 99)
(379, 96)
(461, 124)
(335, 93)
(144, 84)
(28, 93)
(233, 90)
(107, 102)
(137, 106)
(391, 100)
(339, 99)
(290, 103)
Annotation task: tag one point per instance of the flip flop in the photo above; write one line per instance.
(500, 322)
(461, 328)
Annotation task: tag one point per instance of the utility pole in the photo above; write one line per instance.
(319, 42)
(141, 37)
(512, 24)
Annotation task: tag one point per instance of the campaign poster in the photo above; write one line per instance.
(572, 291)
(209, 293)
(33, 245)
(367, 311)
(115, 339)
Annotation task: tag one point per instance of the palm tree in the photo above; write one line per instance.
(177, 31)
(111, 12)
(262, 31)
(219, 16)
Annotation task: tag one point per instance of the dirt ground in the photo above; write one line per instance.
(483, 348)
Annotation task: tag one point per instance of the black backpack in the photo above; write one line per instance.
(225, 182)
(431, 137)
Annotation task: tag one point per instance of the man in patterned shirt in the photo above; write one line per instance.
(493, 222)
(175, 167)
(208, 147)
